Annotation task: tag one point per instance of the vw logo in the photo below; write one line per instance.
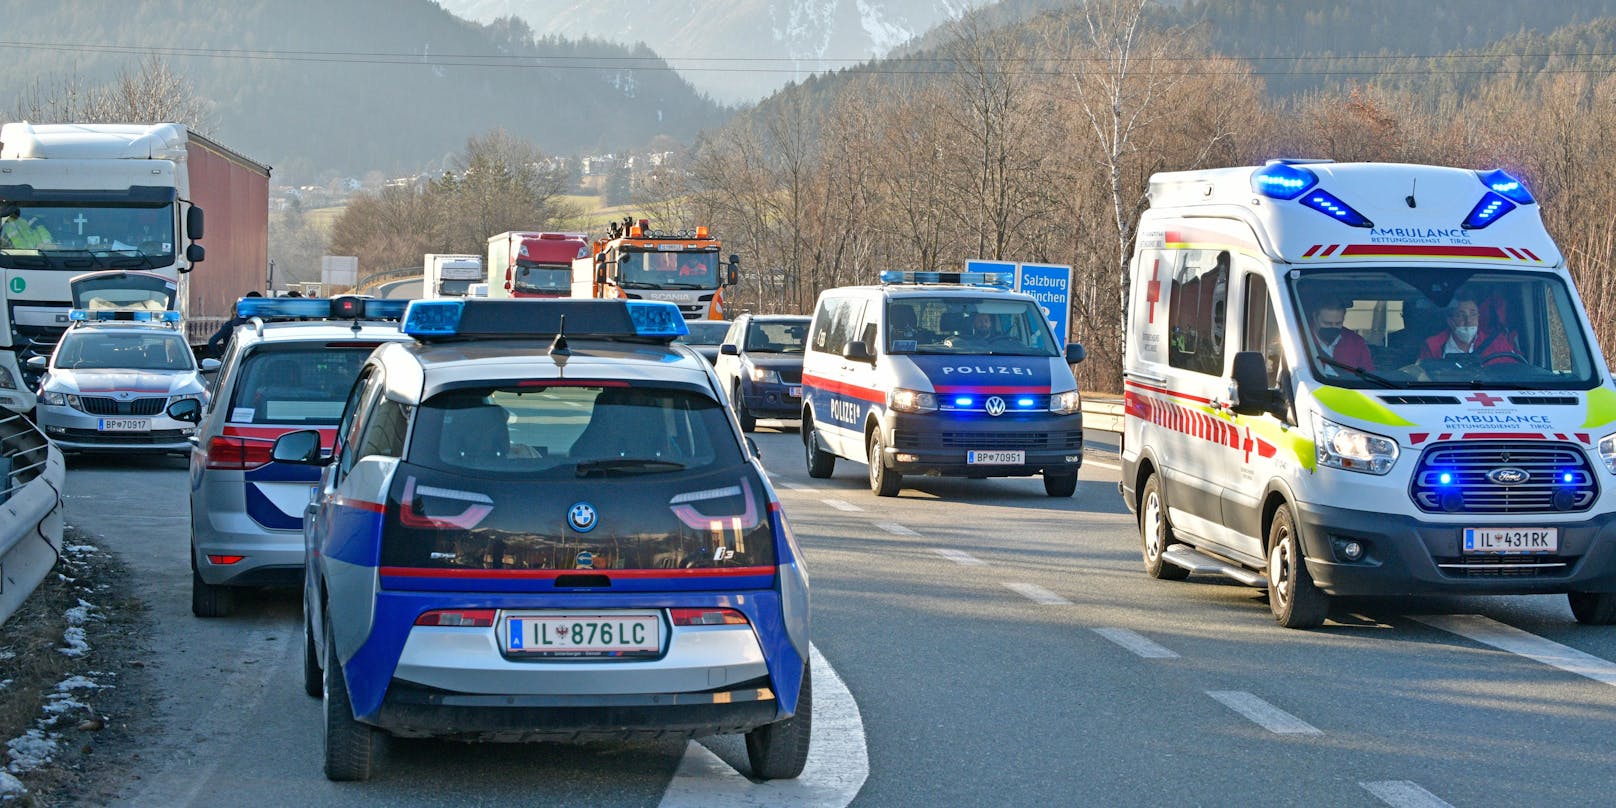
(582, 517)
(994, 406)
(1509, 475)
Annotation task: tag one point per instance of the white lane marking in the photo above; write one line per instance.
(838, 760)
(1404, 794)
(1508, 638)
(842, 505)
(792, 486)
(1263, 714)
(1136, 642)
(1037, 594)
(960, 557)
(896, 529)
(1102, 464)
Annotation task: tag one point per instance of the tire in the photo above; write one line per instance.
(208, 600)
(313, 677)
(1060, 484)
(1295, 601)
(1593, 608)
(742, 414)
(883, 481)
(349, 745)
(779, 751)
(1156, 535)
(820, 462)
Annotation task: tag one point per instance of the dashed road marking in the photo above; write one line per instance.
(1263, 714)
(896, 529)
(792, 486)
(1036, 593)
(1404, 794)
(842, 505)
(958, 557)
(1522, 643)
(1102, 464)
(1136, 642)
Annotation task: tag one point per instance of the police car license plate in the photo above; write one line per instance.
(125, 424)
(1002, 457)
(578, 635)
(1511, 539)
(795, 391)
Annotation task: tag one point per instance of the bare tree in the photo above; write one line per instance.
(150, 92)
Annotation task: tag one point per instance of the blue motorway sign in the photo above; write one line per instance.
(1051, 286)
(1005, 268)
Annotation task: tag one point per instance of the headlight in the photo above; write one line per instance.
(764, 375)
(1066, 403)
(8, 381)
(1607, 452)
(1346, 448)
(912, 401)
(54, 399)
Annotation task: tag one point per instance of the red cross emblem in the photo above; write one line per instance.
(1153, 288)
(1483, 399)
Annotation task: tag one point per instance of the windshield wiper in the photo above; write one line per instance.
(94, 261)
(634, 464)
(671, 285)
(636, 285)
(1370, 375)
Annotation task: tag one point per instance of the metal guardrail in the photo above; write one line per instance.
(1102, 412)
(31, 475)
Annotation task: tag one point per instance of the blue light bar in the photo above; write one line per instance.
(962, 401)
(1283, 180)
(656, 318)
(994, 279)
(128, 315)
(1491, 208)
(1026, 402)
(343, 307)
(1330, 205)
(1507, 186)
(432, 318)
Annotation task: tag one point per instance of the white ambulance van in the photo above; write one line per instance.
(1365, 379)
(943, 374)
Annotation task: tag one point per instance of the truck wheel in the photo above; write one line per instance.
(208, 600)
(820, 462)
(748, 422)
(349, 745)
(313, 677)
(1060, 483)
(779, 751)
(883, 481)
(1593, 608)
(1155, 535)
(1295, 601)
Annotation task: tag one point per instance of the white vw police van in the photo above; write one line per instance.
(1365, 379)
(940, 373)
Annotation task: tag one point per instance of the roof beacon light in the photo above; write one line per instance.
(346, 307)
(1328, 203)
(630, 320)
(655, 318)
(126, 315)
(995, 279)
(1506, 186)
(1279, 180)
(432, 318)
(1491, 208)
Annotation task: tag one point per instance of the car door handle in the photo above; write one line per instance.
(1145, 377)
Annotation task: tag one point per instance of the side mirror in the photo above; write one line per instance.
(195, 253)
(193, 223)
(1251, 384)
(188, 410)
(38, 362)
(600, 272)
(210, 365)
(732, 276)
(857, 351)
(1075, 353)
(729, 349)
(300, 448)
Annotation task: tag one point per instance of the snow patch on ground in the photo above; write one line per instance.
(34, 749)
(73, 636)
(80, 549)
(10, 787)
(38, 746)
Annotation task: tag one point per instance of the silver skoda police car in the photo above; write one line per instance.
(540, 521)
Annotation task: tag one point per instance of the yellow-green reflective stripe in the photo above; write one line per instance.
(1601, 407)
(1355, 404)
(1285, 440)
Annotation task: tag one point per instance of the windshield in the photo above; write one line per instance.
(537, 278)
(454, 288)
(123, 350)
(305, 384)
(668, 270)
(1441, 327)
(51, 235)
(708, 332)
(954, 324)
(777, 336)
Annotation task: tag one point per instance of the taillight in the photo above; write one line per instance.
(238, 454)
(707, 617)
(224, 559)
(457, 618)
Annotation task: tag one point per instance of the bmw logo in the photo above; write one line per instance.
(582, 517)
(995, 406)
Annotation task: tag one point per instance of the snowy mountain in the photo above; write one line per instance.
(734, 50)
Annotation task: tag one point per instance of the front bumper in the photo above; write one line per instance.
(770, 400)
(941, 443)
(72, 430)
(1408, 556)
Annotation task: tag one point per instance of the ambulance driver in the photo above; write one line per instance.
(1337, 341)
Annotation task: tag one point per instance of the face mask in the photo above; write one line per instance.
(1464, 333)
(1328, 335)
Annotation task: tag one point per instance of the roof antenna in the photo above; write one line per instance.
(559, 346)
(1414, 183)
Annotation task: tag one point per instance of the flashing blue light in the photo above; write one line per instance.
(432, 318)
(1283, 181)
(655, 318)
(1025, 402)
(78, 315)
(1445, 478)
(1568, 478)
(1491, 208)
(1510, 188)
(996, 279)
(1327, 203)
(962, 401)
(347, 307)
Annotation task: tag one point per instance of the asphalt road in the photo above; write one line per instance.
(1003, 648)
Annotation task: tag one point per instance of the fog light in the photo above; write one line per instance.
(907, 458)
(1351, 550)
(1452, 501)
(1564, 500)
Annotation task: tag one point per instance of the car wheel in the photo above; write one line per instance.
(820, 462)
(1060, 484)
(313, 677)
(1295, 601)
(1593, 608)
(883, 481)
(349, 745)
(748, 423)
(779, 751)
(208, 600)
(1155, 535)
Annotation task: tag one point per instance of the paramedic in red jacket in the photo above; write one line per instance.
(1464, 334)
(1337, 341)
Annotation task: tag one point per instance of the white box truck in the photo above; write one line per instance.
(450, 274)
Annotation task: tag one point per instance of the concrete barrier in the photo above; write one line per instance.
(30, 510)
(1102, 412)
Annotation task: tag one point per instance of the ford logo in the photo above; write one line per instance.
(994, 406)
(1509, 475)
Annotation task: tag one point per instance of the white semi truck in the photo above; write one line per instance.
(450, 274)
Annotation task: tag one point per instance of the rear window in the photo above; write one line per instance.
(300, 385)
(568, 432)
